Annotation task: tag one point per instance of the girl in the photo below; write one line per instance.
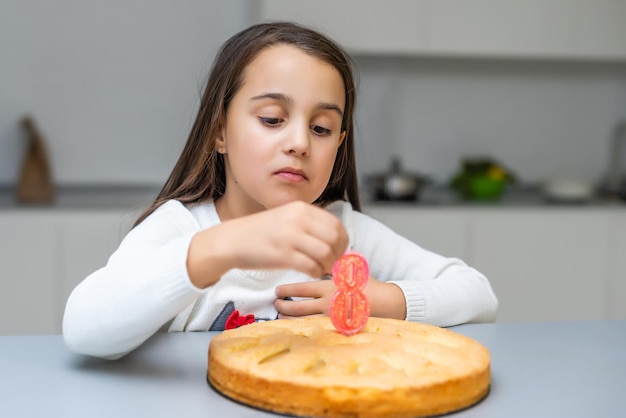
(258, 207)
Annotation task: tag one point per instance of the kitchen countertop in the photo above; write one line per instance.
(88, 197)
(539, 369)
(140, 196)
(522, 196)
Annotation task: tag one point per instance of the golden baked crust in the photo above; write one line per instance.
(392, 368)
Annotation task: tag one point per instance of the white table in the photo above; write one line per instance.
(553, 369)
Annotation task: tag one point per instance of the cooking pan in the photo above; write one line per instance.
(396, 184)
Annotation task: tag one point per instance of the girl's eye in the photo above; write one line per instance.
(320, 130)
(270, 121)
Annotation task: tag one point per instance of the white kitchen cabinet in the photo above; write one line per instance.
(559, 263)
(534, 29)
(361, 26)
(617, 280)
(29, 256)
(44, 254)
(600, 28)
(544, 264)
(442, 230)
(88, 239)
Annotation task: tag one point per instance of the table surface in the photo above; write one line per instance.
(539, 369)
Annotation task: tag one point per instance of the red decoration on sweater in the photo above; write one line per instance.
(235, 320)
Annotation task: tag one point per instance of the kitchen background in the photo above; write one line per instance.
(117, 84)
(538, 86)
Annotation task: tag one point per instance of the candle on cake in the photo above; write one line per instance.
(349, 306)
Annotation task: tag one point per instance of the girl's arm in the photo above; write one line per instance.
(406, 281)
(386, 300)
(439, 290)
(169, 260)
(143, 285)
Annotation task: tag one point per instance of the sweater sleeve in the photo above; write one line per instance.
(143, 285)
(439, 290)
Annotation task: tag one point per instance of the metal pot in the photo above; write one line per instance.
(396, 184)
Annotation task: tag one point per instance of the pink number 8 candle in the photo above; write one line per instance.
(349, 307)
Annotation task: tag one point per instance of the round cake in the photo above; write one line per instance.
(305, 367)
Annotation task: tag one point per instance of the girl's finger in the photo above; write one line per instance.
(314, 289)
(298, 308)
(281, 316)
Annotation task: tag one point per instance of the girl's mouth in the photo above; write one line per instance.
(291, 174)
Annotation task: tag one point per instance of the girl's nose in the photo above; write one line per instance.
(297, 142)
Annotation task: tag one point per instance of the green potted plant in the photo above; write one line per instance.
(481, 179)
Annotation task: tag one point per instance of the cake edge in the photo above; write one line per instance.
(434, 401)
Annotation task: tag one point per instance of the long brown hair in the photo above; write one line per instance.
(199, 173)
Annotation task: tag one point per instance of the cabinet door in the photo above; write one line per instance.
(532, 28)
(588, 29)
(600, 28)
(617, 283)
(544, 264)
(88, 240)
(361, 26)
(29, 256)
(441, 230)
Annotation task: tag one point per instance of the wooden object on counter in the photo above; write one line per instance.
(35, 184)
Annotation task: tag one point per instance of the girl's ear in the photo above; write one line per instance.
(220, 143)
(341, 138)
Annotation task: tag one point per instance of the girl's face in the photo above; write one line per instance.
(282, 132)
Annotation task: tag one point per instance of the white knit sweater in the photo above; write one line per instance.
(145, 284)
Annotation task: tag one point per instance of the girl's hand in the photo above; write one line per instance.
(297, 236)
(317, 302)
(386, 299)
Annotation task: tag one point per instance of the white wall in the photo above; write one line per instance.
(541, 119)
(114, 85)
